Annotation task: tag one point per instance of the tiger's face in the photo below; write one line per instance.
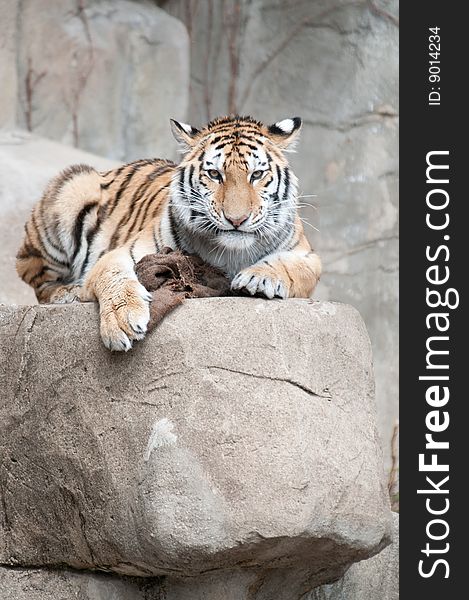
(234, 186)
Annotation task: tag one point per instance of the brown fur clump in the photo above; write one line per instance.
(172, 276)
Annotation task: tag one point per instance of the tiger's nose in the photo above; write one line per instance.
(237, 221)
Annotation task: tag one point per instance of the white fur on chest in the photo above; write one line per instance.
(229, 260)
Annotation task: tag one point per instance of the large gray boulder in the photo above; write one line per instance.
(27, 162)
(102, 75)
(240, 436)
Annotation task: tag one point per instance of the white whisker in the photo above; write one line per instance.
(306, 205)
(307, 223)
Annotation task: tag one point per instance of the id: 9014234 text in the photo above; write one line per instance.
(434, 44)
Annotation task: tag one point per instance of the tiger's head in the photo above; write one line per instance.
(233, 187)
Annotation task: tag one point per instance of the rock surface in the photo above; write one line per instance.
(190, 453)
(8, 74)
(41, 584)
(335, 64)
(372, 579)
(102, 75)
(27, 163)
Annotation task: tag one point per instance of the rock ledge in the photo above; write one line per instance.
(240, 435)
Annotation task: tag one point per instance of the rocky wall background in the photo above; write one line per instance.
(99, 75)
(105, 76)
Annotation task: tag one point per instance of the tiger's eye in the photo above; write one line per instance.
(257, 174)
(214, 174)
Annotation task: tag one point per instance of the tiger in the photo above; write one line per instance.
(232, 200)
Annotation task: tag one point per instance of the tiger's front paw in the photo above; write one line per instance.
(261, 281)
(125, 316)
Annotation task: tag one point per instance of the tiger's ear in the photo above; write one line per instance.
(184, 134)
(285, 133)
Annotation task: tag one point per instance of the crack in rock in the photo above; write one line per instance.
(296, 384)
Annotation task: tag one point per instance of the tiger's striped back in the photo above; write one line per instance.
(84, 214)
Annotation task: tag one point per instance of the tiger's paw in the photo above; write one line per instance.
(65, 294)
(260, 281)
(125, 316)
